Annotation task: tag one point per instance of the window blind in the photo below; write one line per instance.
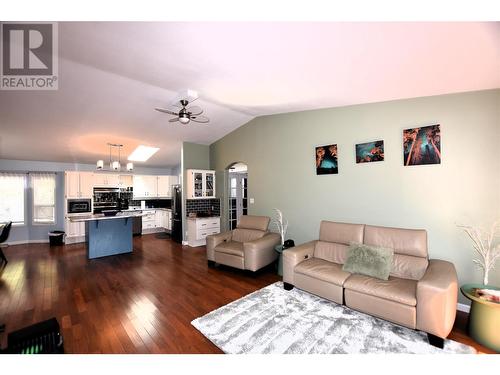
(43, 186)
(12, 187)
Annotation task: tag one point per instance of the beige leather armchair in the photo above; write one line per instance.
(248, 247)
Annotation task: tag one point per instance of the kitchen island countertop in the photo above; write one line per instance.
(120, 215)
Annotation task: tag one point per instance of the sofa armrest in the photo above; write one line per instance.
(259, 253)
(215, 240)
(295, 255)
(437, 293)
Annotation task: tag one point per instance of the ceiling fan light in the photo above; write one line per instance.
(100, 164)
(183, 120)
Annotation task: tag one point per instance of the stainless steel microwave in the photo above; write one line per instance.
(79, 206)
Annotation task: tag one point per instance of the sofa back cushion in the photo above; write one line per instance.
(331, 251)
(247, 235)
(254, 222)
(409, 245)
(341, 233)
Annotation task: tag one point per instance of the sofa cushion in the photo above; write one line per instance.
(369, 260)
(331, 251)
(342, 233)
(404, 241)
(322, 270)
(395, 289)
(254, 222)
(231, 247)
(408, 267)
(247, 235)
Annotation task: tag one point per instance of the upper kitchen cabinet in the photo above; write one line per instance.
(145, 186)
(125, 180)
(165, 185)
(200, 184)
(106, 179)
(78, 184)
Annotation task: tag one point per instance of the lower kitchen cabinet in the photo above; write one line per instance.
(199, 228)
(75, 231)
(156, 220)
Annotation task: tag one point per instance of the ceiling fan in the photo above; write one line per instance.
(185, 114)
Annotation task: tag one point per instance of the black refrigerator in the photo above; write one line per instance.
(176, 232)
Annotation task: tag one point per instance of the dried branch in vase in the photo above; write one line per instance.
(483, 243)
(281, 224)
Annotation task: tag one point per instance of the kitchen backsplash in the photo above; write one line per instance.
(203, 205)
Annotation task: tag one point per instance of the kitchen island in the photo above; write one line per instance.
(108, 235)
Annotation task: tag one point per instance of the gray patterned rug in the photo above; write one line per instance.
(272, 320)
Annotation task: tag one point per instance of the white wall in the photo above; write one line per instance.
(464, 188)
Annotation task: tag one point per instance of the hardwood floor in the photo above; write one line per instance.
(135, 303)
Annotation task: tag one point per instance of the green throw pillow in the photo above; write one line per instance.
(369, 260)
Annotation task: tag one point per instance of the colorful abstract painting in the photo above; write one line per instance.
(369, 152)
(326, 160)
(422, 145)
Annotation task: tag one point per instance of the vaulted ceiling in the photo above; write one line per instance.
(112, 75)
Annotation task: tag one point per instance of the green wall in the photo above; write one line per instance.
(464, 188)
(194, 156)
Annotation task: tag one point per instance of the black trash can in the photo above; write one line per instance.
(56, 237)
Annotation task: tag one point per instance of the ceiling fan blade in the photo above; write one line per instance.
(195, 110)
(175, 119)
(202, 119)
(166, 111)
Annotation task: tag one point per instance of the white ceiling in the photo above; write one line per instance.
(113, 74)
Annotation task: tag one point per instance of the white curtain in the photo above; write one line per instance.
(12, 192)
(43, 186)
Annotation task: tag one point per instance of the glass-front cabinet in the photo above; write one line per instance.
(201, 184)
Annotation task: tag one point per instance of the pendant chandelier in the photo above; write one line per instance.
(114, 165)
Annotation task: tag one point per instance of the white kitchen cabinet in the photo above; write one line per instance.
(145, 186)
(159, 219)
(149, 221)
(106, 180)
(174, 180)
(164, 186)
(125, 180)
(200, 228)
(78, 184)
(75, 231)
(168, 220)
(200, 184)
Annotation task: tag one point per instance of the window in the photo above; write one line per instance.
(12, 197)
(44, 198)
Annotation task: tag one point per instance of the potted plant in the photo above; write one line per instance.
(483, 242)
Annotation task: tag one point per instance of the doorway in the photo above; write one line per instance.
(237, 193)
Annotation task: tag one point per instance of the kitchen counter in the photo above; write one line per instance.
(203, 217)
(119, 215)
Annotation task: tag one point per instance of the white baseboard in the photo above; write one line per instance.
(184, 243)
(463, 307)
(24, 242)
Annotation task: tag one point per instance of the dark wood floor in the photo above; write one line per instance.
(138, 303)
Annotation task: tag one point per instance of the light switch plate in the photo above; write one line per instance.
(252, 201)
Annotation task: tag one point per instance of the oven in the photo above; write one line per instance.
(79, 206)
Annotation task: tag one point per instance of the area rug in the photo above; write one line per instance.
(272, 320)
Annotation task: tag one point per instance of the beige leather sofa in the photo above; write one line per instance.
(248, 247)
(420, 293)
